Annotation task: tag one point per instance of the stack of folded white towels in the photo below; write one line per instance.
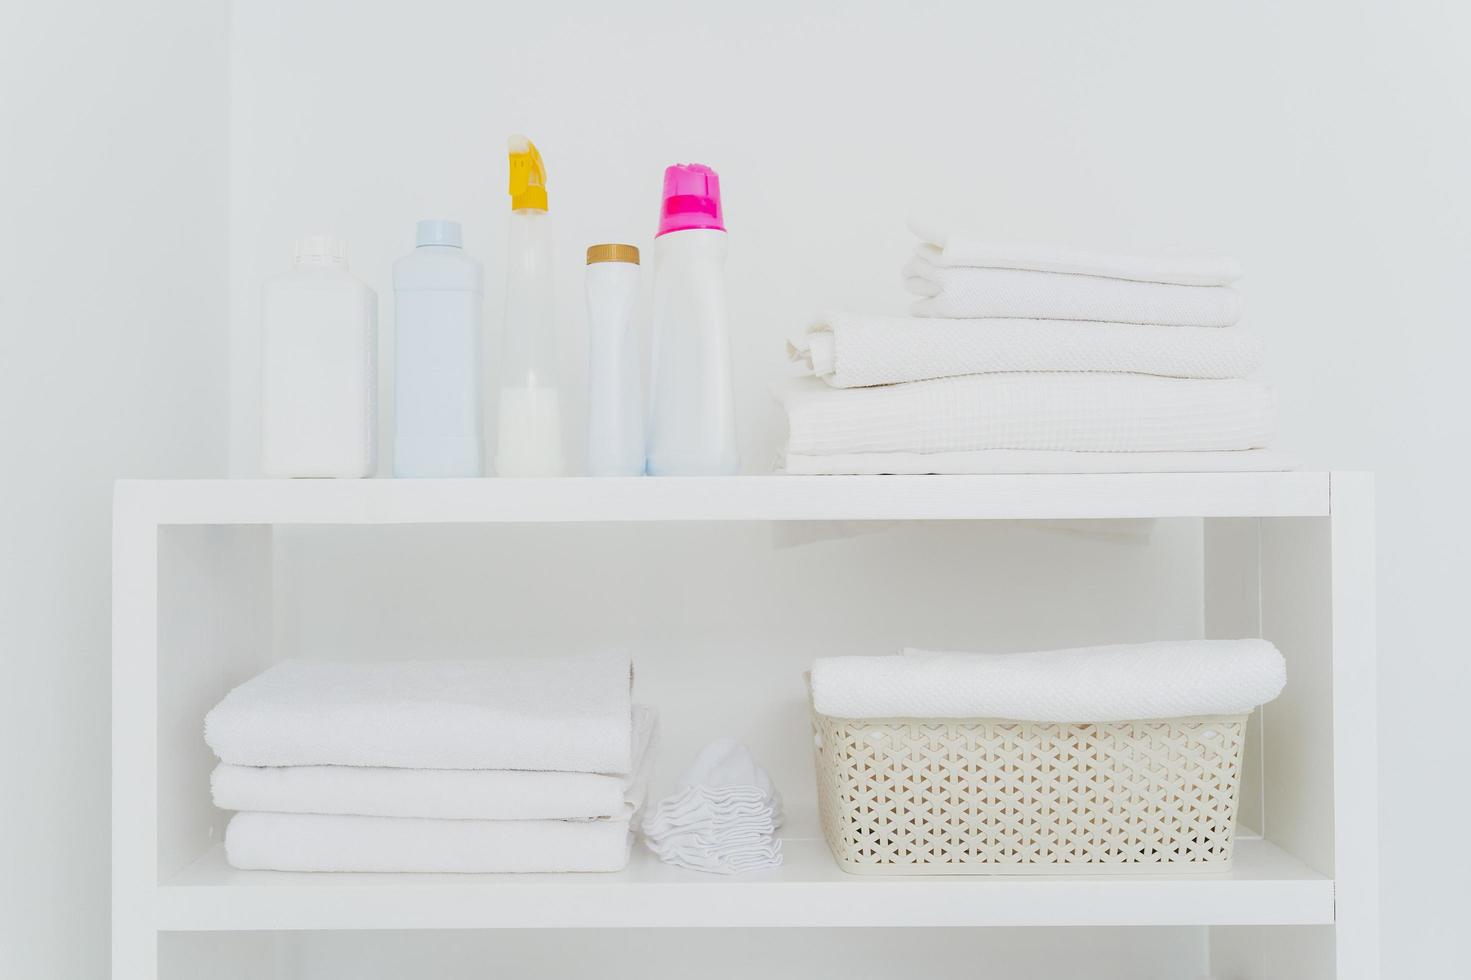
(506, 765)
(723, 817)
(1035, 359)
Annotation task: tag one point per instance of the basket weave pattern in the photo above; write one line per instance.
(916, 796)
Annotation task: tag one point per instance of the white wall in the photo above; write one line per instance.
(828, 122)
(1326, 143)
(112, 363)
(1370, 212)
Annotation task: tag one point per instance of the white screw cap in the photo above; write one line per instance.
(321, 250)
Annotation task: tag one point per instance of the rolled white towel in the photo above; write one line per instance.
(952, 248)
(852, 350)
(1125, 682)
(952, 291)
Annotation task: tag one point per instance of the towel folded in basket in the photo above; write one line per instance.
(566, 714)
(1064, 411)
(317, 842)
(951, 291)
(849, 350)
(458, 794)
(947, 248)
(1136, 681)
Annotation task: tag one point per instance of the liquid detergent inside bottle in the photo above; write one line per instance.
(692, 403)
(529, 429)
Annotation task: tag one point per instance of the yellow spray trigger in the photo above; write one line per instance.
(528, 176)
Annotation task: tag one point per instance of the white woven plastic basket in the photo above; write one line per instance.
(979, 796)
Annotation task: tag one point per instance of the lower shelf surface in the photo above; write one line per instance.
(1267, 886)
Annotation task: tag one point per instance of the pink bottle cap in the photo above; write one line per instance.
(691, 199)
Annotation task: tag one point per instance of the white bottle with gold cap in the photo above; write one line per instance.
(615, 429)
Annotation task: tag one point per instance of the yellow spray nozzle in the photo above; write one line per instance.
(528, 176)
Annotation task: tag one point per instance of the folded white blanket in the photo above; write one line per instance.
(457, 794)
(949, 291)
(317, 842)
(851, 350)
(982, 461)
(1073, 412)
(1169, 679)
(961, 249)
(569, 714)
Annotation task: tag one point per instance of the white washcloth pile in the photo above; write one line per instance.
(1034, 359)
(722, 819)
(478, 766)
(1126, 682)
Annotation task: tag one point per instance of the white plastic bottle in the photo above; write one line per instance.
(615, 428)
(529, 423)
(438, 292)
(319, 367)
(692, 405)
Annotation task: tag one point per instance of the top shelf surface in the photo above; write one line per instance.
(733, 498)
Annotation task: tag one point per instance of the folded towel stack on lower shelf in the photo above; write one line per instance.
(1034, 359)
(511, 765)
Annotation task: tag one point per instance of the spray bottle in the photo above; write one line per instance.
(530, 420)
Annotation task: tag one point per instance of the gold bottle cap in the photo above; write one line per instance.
(612, 253)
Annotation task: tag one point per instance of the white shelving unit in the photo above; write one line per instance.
(1288, 556)
(1267, 886)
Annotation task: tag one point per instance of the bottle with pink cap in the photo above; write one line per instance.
(692, 403)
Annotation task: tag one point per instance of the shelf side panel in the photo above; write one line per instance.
(1298, 770)
(134, 737)
(1356, 730)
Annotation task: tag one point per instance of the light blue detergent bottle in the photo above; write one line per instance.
(438, 293)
